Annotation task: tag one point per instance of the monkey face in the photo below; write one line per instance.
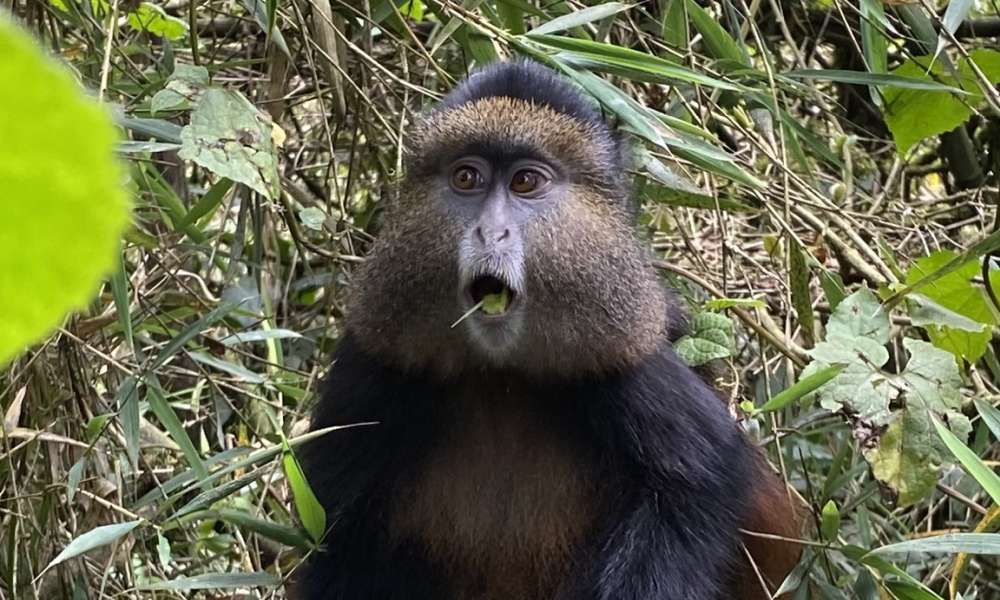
(510, 247)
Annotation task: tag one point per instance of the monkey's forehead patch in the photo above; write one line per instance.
(513, 126)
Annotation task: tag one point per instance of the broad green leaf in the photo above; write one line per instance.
(576, 18)
(949, 543)
(165, 131)
(860, 314)
(512, 16)
(909, 453)
(955, 313)
(241, 458)
(874, 44)
(207, 204)
(212, 495)
(311, 512)
(924, 311)
(95, 538)
(61, 189)
(675, 197)
(216, 581)
(861, 387)
(127, 400)
(913, 114)
(833, 287)
(152, 19)
(984, 246)
(710, 338)
(264, 18)
(74, 477)
(163, 552)
(974, 465)
(230, 137)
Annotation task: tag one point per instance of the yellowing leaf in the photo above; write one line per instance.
(63, 207)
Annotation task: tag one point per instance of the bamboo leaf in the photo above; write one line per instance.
(95, 538)
(973, 465)
(580, 17)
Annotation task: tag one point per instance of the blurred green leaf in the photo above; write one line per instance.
(61, 189)
(152, 19)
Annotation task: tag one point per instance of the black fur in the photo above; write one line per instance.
(678, 465)
(673, 469)
(525, 80)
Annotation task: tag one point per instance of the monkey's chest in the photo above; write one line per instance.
(503, 503)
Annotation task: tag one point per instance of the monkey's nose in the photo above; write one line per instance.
(492, 236)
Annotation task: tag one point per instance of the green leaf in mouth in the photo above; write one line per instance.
(495, 304)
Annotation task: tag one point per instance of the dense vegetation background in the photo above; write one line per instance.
(818, 178)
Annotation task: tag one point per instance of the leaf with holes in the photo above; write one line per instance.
(230, 137)
(184, 86)
(908, 455)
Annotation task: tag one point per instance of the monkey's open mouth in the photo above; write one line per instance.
(491, 294)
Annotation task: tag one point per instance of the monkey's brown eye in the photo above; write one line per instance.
(527, 181)
(465, 178)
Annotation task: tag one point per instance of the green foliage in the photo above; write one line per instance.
(790, 169)
(63, 206)
(954, 312)
(231, 138)
(899, 442)
(310, 511)
(711, 338)
(151, 18)
(914, 115)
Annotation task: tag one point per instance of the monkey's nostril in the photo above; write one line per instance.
(504, 235)
(479, 233)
